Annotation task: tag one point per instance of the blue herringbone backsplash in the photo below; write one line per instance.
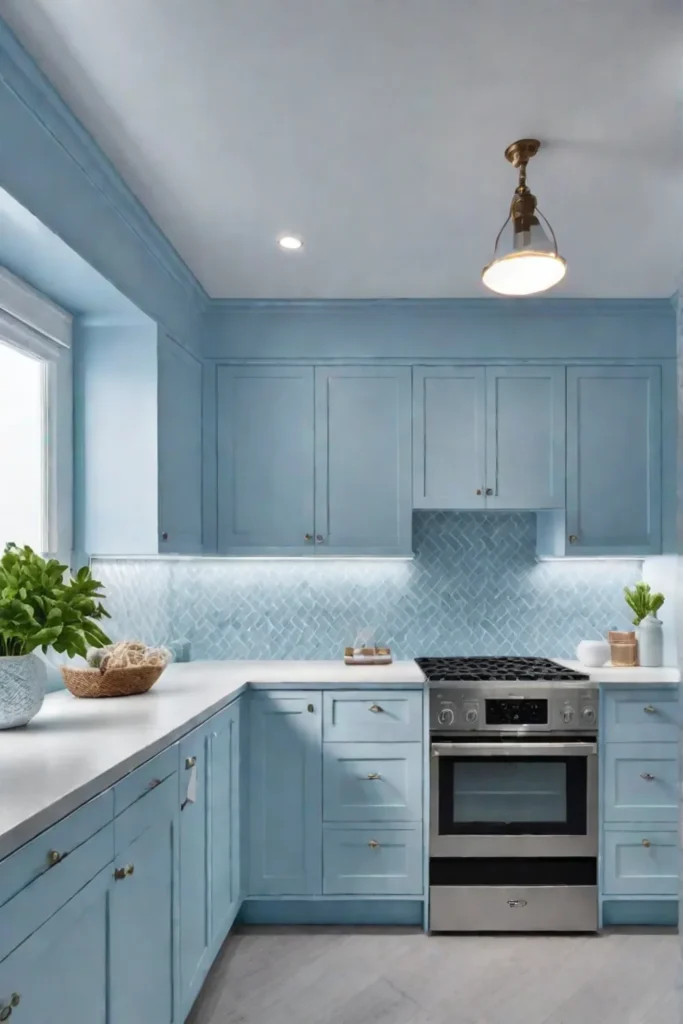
(474, 588)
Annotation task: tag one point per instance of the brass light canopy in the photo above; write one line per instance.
(532, 263)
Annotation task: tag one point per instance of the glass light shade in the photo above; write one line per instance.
(524, 272)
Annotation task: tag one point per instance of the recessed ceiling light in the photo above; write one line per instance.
(290, 242)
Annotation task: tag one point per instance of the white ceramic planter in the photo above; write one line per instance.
(22, 689)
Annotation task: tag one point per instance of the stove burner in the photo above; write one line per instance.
(480, 670)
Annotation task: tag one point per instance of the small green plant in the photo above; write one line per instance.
(39, 609)
(642, 601)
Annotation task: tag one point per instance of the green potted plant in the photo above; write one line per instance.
(645, 605)
(40, 607)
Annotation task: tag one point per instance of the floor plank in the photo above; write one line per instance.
(400, 976)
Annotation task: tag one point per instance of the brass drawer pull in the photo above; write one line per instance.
(55, 857)
(647, 776)
(373, 844)
(126, 872)
(374, 775)
(646, 842)
(376, 708)
(649, 710)
(190, 762)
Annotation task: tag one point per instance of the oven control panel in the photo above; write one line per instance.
(557, 708)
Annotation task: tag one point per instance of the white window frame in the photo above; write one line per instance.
(33, 324)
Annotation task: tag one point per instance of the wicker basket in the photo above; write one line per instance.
(117, 682)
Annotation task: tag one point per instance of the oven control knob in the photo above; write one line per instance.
(446, 716)
(588, 714)
(567, 714)
(471, 716)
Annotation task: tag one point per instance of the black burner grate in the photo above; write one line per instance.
(480, 670)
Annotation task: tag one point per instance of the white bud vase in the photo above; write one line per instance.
(650, 642)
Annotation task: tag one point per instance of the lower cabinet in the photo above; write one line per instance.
(59, 974)
(223, 812)
(194, 939)
(372, 861)
(641, 863)
(142, 912)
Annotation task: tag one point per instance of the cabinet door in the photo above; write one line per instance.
(285, 794)
(194, 938)
(265, 458)
(614, 472)
(180, 449)
(525, 437)
(362, 460)
(59, 974)
(448, 437)
(141, 936)
(224, 820)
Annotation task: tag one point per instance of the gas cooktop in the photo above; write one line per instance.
(481, 670)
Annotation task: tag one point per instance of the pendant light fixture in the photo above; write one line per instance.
(531, 262)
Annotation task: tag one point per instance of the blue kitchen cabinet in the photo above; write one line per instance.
(489, 437)
(179, 449)
(265, 470)
(640, 862)
(363, 502)
(60, 972)
(449, 443)
(285, 793)
(614, 461)
(194, 899)
(224, 807)
(372, 781)
(143, 910)
(372, 861)
(525, 437)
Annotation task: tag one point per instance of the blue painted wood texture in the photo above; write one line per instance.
(194, 939)
(179, 449)
(285, 793)
(388, 716)
(633, 868)
(372, 782)
(640, 715)
(614, 460)
(641, 782)
(60, 972)
(265, 466)
(224, 814)
(372, 860)
(363, 502)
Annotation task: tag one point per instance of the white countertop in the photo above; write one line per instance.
(74, 749)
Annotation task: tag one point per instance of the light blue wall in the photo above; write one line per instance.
(474, 587)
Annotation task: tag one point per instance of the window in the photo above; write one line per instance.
(35, 420)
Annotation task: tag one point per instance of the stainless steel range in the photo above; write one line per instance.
(513, 795)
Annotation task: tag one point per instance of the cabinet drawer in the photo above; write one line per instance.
(161, 803)
(647, 714)
(641, 782)
(29, 909)
(372, 782)
(372, 861)
(640, 863)
(385, 715)
(145, 778)
(31, 861)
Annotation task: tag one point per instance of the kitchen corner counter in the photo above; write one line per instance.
(611, 676)
(74, 749)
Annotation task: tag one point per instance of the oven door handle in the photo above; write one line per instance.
(510, 749)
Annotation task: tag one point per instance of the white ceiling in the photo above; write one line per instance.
(376, 130)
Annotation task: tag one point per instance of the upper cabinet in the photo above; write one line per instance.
(313, 461)
(489, 437)
(614, 460)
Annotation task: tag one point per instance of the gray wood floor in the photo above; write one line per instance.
(399, 976)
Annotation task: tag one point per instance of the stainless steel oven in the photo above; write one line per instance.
(514, 797)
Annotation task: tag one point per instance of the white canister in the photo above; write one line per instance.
(650, 642)
(593, 653)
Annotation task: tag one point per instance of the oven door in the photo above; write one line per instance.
(514, 799)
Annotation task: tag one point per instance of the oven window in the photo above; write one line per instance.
(512, 796)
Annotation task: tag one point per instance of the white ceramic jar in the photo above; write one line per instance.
(593, 653)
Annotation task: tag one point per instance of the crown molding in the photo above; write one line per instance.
(499, 307)
(23, 78)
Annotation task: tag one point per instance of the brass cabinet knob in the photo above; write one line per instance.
(190, 762)
(373, 844)
(573, 539)
(310, 708)
(126, 872)
(489, 491)
(646, 842)
(375, 708)
(647, 776)
(308, 536)
(649, 710)
(15, 999)
(164, 535)
(478, 490)
(129, 870)
(374, 775)
(54, 857)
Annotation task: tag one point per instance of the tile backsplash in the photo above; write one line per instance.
(474, 587)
